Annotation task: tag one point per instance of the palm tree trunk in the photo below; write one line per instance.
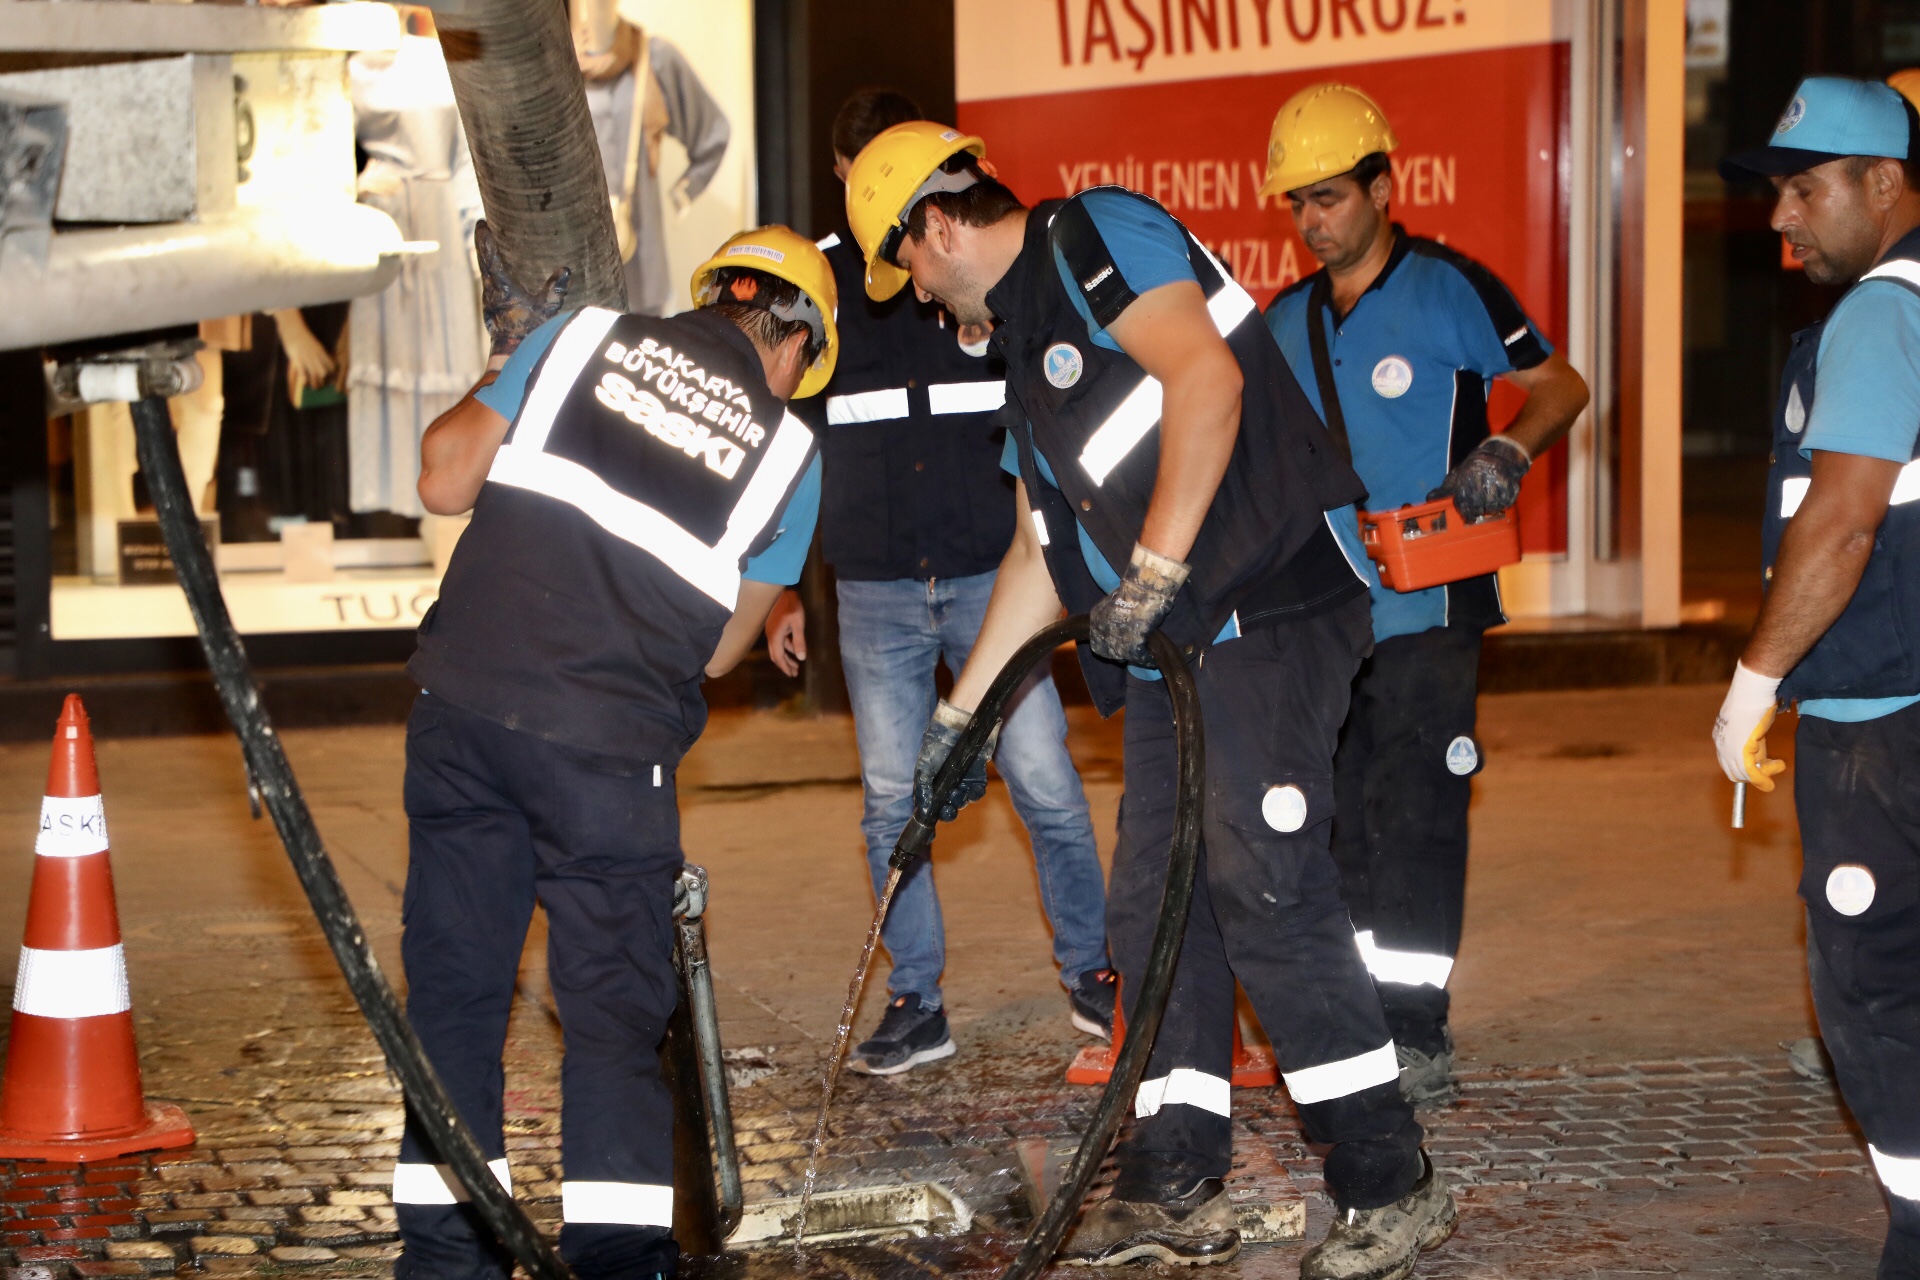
(524, 106)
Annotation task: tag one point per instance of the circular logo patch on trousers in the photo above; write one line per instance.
(1462, 756)
(1284, 808)
(1850, 888)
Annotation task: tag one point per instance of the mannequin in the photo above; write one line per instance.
(419, 344)
(610, 41)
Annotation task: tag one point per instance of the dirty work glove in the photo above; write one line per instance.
(943, 734)
(1118, 626)
(509, 313)
(1740, 734)
(1487, 481)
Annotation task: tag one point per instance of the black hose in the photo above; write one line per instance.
(1157, 983)
(267, 763)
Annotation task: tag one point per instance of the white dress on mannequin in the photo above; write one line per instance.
(417, 346)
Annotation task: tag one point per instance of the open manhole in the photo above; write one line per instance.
(917, 1209)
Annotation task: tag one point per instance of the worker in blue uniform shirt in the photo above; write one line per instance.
(914, 519)
(640, 496)
(1839, 628)
(1172, 477)
(1409, 336)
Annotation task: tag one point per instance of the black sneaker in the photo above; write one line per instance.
(907, 1036)
(1091, 999)
(1194, 1230)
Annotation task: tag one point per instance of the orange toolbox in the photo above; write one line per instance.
(1429, 543)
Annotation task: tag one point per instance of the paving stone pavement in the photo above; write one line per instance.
(298, 1182)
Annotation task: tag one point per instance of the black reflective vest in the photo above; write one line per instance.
(1265, 550)
(647, 463)
(909, 441)
(1872, 650)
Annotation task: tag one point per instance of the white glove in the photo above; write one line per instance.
(1740, 734)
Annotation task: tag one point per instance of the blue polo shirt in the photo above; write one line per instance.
(1866, 401)
(780, 564)
(1411, 363)
(1150, 249)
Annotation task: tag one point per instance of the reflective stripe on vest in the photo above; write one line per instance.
(867, 406)
(1139, 413)
(1793, 490)
(524, 464)
(966, 397)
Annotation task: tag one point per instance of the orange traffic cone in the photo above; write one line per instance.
(72, 1086)
(1252, 1068)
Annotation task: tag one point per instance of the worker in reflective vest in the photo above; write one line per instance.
(915, 515)
(640, 496)
(1839, 629)
(1411, 334)
(1173, 477)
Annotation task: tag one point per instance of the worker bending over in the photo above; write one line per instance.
(915, 515)
(1839, 628)
(1172, 476)
(640, 496)
(1395, 341)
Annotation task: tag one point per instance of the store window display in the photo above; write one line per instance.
(642, 90)
(419, 344)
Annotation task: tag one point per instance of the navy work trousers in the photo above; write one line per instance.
(497, 820)
(1402, 780)
(1266, 910)
(1857, 788)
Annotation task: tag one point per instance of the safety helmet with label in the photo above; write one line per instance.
(785, 253)
(1322, 132)
(1906, 82)
(891, 175)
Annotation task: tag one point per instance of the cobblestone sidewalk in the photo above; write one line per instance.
(300, 1184)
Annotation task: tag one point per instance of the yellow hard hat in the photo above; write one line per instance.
(784, 252)
(1322, 132)
(1907, 84)
(888, 178)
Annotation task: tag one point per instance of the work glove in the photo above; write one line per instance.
(1740, 734)
(1487, 481)
(943, 734)
(511, 314)
(1118, 626)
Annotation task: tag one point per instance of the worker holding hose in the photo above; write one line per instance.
(1173, 477)
(640, 496)
(1396, 340)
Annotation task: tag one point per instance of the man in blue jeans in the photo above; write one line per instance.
(915, 519)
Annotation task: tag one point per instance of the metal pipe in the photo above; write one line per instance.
(266, 761)
(697, 982)
(121, 279)
(524, 105)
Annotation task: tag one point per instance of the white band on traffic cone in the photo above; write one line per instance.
(71, 827)
(72, 984)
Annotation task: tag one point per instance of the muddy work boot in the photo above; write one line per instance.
(1426, 1080)
(1384, 1243)
(1091, 1001)
(907, 1036)
(1194, 1230)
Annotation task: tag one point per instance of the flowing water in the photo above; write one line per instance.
(831, 1076)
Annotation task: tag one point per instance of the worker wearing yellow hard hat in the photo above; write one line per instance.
(1396, 339)
(786, 255)
(640, 496)
(1173, 478)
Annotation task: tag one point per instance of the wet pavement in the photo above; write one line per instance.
(1630, 968)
